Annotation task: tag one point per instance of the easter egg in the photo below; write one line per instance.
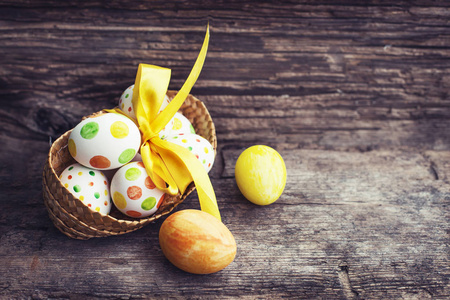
(134, 193)
(88, 185)
(198, 145)
(125, 103)
(260, 174)
(104, 142)
(181, 124)
(178, 124)
(197, 242)
(166, 131)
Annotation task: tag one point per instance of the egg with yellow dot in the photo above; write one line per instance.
(104, 142)
(179, 124)
(89, 185)
(134, 193)
(260, 174)
(198, 146)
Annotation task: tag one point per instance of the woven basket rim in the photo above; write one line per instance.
(106, 232)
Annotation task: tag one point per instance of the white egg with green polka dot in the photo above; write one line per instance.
(198, 145)
(88, 185)
(181, 124)
(104, 142)
(134, 193)
(125, 104)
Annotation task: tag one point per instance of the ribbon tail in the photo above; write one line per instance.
(174, 105)
(185, 168)
(207, 199)
(159, 175)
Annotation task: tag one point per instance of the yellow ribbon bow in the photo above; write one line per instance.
(171, 167)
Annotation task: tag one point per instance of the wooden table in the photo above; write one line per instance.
(354, 96)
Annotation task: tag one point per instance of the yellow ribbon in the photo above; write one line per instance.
(171, 167)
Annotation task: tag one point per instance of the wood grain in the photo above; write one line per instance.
(353, 95)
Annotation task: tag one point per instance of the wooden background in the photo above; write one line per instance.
(353, 94)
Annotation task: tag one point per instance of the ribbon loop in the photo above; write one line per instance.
(171, 167)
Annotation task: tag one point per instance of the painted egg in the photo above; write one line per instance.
(104, 142)
(134, 193)
(125, 103)
(179, 124)
(197, 242)
(88, 185)
(166, 131)
(198, 145)
(260, 174)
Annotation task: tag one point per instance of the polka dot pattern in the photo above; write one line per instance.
(179, 124)
(105, 142)
(127, 155)
(119, 200)
(148, 203)
(119, 130)
(133, 213)
(198, 146)
(176, 124)
(89, 130)
(149, 183)
(134, 193)
(133, 174)
(125, 102)
(100, 162)
(72, 148)
(90, 186)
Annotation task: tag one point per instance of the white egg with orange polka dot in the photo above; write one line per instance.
(88, 185)
(134, 193)
(125, 104)
(104, 142)
(198, 145)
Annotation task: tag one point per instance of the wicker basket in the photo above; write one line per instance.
(75, 219)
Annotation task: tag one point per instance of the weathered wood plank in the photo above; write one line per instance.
(354, 95)
(362, 217)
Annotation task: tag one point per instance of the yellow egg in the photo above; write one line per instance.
(260, 174)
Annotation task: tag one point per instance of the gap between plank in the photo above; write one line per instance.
(344, 280)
